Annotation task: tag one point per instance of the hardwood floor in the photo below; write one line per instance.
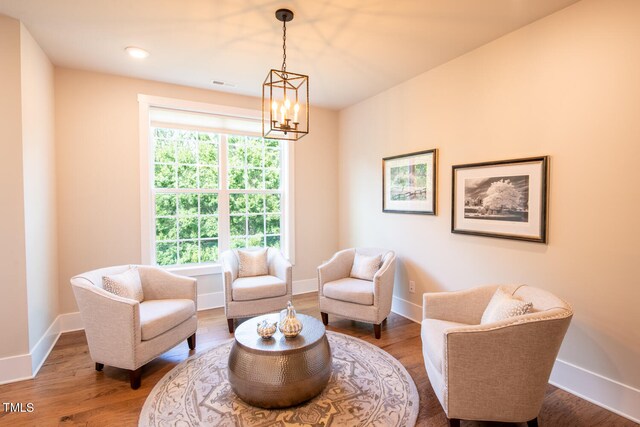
(69, 391)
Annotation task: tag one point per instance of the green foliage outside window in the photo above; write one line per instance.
(187, 224)
(208, 250)
(255, 219)
(187, 204)
(166, 229)
(254, 163)
(166, 253)
(165, 176)
(166, 205)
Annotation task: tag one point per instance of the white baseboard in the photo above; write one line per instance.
(15, 368)
(406, 309)
(304, 286)
(604, 392)
(612, 395)
(70, 322)
(26, 366)
(43, 347)
(210, 300)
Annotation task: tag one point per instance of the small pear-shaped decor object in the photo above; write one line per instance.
(290, 326)
(266, 329)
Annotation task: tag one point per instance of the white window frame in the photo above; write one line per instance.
(147, 225)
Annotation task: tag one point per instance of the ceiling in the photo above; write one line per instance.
(351, 49)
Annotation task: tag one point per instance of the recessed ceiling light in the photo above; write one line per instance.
(136, 52)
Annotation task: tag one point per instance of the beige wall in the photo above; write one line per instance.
(98, 175)
(28, 261)
(14, 336)
(565, 86)
(39, 156)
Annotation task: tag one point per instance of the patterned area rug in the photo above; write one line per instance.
(368, 387)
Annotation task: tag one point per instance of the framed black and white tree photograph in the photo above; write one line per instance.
(409, 183)
(505, 199)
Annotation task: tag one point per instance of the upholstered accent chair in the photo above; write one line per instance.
(256, 295)
(353, 298)
(125, 333)
(495, 371)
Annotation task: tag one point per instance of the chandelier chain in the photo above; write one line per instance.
(284, 45)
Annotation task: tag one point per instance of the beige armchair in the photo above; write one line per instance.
(495, 371)
(125, 333)
(357, 299)
(253, 296)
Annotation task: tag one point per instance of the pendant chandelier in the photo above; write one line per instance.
(285, 96)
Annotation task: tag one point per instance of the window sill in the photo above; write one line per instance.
(196, 270)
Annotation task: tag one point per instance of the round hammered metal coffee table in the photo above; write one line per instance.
(279, 372)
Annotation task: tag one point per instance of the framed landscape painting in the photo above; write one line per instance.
(505, 199)
(409, 183)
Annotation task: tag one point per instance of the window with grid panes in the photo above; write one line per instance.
(191, 193)
(253, 172)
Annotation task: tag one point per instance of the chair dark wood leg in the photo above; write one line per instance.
(135, 378)
(325, 318)
(192, 342)
(99, 366)
(377, 330)
(454, 422)
(230, 324)
(533, 422)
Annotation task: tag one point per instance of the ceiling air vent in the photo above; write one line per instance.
(223, 83)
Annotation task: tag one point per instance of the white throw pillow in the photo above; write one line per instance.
(365, 267)
(252, 263)
(125, 284)
(503, 306)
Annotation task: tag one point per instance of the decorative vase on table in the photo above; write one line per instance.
(266, 329)
(290, 325)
